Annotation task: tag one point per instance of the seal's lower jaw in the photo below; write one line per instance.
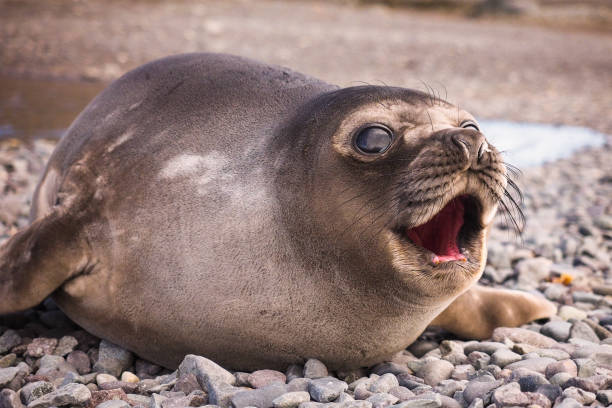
(448, 235)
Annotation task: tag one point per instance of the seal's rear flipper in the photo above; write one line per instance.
(477, 312)
(38, 259)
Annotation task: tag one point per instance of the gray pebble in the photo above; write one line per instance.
(558, 330)
(261, 397)
(531, 271)
(8, 340)
(65, 345)
(519, 335)
(581, 330)
(537, 364)
(568, 403)
(420, 403)
(113, 359)
(449, 387)
(291, 399)
(262, 378)
(113, 404)
(294, 371)
(207, 372)
(326, 389)
(551, 391)
(402, 393)
(7, 375)
(479, 387)
(315, 369)
(35, 390)
(531, 382)
(382, 400)
(605, 397)
(298, 384)
(80, 361)
(583, 397)
(344, 397)
(384, 383)
(462, 372)
(509, 395)
(9, 399)
(488, 347)
(435, 371)
(555, 291)
(353, 404)
(562, 366)
(71, 394)
(559, 378)
(503, 357)
(552, 353)
(222, 394)
(479, 359)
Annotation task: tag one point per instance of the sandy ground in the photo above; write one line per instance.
(495, 69)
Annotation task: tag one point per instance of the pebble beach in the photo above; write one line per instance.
(563, 254)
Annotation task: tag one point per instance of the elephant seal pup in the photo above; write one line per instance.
(214, 205)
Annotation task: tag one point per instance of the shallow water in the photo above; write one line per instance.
(35, 108)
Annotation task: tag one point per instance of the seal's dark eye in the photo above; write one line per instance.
(373, 139)
(470, 124)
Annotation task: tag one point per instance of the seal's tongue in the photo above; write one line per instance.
(439, 235)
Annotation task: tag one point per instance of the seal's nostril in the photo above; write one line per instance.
(462, 144)
(484, 148)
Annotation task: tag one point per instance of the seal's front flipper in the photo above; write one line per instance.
(477, 312)
(38, 259)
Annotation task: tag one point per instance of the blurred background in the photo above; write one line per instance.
(538, 73)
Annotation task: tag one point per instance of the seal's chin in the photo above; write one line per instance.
(445, 235)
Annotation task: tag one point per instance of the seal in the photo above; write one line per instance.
(214, 205)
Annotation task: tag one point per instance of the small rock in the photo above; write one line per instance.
(384, 384)
(531, 382)
(568, 403)
(569, 312)
(558, 330)
(7, 375)
(605, 397)
(98, 397)
(291, 399)
(402, 393)
(71, 394)
(136, 399)
(560, 378)
(41, 346)
(581, 330)
(263, 378)
(421, 347)
(537, 400)
(533, 270)
(186, 384)
(537, 364)
(504, 357)
(462, 372)
(509, 395)
(113, 404)
(105, 378)
(113, 359)
(555, 292)
(382, 400)
(479, 359)
(315, 369)
(65, 345)
(449, 387)
(8, 340)
(299, 384)
(435, 371)
(207, 372)
(8, 360)
(294, 371)
(421, 402)
(550, 391)
(479, 387)
(562, 366)
(518, 335)
(146, 369)
(129, 377)
(555, 354)
(222, 394)
(35, 390)
(54, 367)
(583, 397)
(261, 397)
(9, 399)
(80, 361)
(326, 389)
(389, 368)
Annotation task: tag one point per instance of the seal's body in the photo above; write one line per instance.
(213, 205)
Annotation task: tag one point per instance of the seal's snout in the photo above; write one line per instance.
(472, 145)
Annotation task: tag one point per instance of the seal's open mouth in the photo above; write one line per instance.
(446, 231)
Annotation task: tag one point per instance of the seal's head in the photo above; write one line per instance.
(406, 186)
